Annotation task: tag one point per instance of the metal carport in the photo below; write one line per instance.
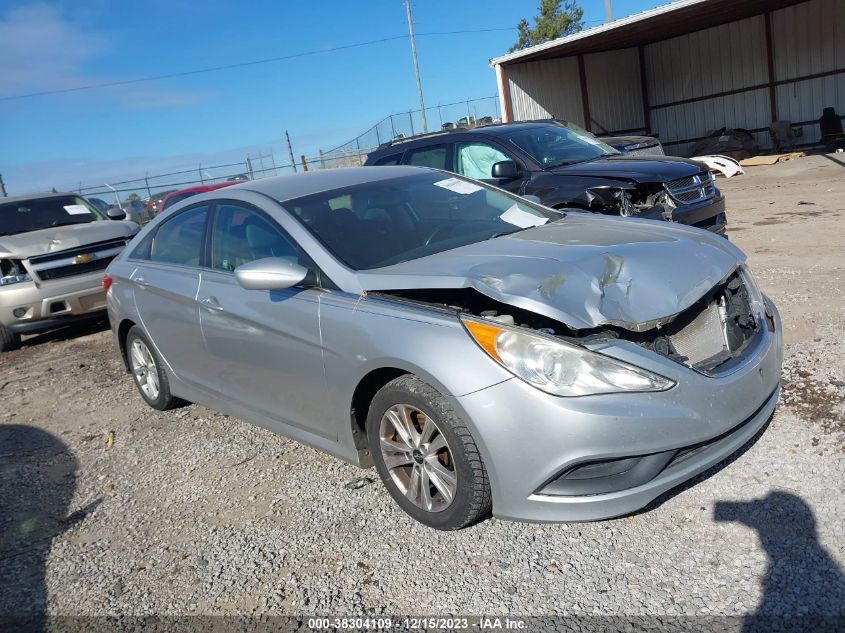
(686, 68)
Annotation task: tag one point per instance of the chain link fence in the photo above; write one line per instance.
(467, 113)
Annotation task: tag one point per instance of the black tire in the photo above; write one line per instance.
(164, 400)
(472, 500)
(8, 340)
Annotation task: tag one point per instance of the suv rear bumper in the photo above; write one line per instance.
(51, 304)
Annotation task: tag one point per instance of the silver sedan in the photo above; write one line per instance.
(484, 353)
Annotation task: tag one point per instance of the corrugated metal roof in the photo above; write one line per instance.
(664, 22)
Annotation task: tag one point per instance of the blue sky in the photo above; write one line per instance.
(323, 100)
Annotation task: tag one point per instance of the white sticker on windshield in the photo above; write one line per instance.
(77, 209)
(458, 186)
(522, 219)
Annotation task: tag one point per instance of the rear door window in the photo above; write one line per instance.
(432, 156)
(180, 239)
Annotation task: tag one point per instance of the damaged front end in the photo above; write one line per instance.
(711, 336)
(650, 200)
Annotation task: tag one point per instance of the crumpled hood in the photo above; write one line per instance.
(585, 271)
(25, 245)
(642, 169)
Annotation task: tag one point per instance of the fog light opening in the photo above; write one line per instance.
(19, 313)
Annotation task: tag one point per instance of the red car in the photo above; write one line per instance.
(177, 196)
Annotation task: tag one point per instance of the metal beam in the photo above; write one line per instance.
(585, 99)
(770, 59)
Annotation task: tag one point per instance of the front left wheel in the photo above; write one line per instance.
(426, 456)
(148, 372)
(8, 340)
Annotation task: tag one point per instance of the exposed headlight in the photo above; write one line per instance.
(14, 279)
(559, 368)
(12, 272)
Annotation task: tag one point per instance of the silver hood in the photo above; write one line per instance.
(25, 245)
(584, 271)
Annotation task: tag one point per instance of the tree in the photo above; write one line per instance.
(556, 19)
(132, 196)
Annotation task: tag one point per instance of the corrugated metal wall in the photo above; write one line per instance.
(614, 88)
(711, 61)
(808, 38)
(546, 89)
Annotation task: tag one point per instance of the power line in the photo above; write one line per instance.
(256, 62)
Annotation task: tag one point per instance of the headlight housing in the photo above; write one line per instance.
(12, 272)
(560, 368)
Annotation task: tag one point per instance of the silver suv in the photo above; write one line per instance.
(53, 251)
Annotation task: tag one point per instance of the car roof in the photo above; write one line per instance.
(40, 196)
(283, 188)
(494, 129)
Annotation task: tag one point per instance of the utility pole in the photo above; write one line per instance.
(608, 12)
(416, 63)
(290, 151)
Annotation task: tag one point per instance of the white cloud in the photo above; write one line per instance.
(42, 50)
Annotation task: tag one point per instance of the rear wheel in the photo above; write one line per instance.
(148, 372)
(426, 456)
(8, 340)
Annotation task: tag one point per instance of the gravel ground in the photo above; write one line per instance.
(191, 512)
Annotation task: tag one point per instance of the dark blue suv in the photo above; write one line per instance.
(567, 167)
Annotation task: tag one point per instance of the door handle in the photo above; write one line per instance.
(211, 303)
(140, 281)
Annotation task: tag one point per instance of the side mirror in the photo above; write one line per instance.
(270, 273)
(506, 170)
(116, 213)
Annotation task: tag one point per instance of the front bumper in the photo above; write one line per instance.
(528, 438)
(51, 304)
(709, 215)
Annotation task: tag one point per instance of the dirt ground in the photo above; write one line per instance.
(192, 512)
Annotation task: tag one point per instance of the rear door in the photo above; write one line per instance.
(165, 283)
(263, 348)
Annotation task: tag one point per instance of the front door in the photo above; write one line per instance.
(263, 348)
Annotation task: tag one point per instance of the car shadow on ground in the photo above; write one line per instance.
(68, 332)
(804, 588)
(37, 483)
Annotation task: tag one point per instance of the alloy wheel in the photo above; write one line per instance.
(144, 369)
(417, 457)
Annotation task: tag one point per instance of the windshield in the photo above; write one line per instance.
(43, 213)
(385, 222)
(556, 145)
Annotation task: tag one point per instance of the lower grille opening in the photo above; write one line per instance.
(57, 306)
(623, 473)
